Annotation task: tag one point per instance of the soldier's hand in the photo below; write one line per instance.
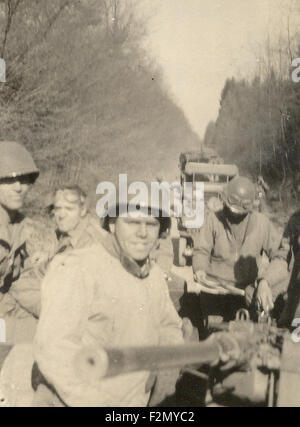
(249, 295)
(264, 296)
(187, 330)
(200, 276)
(194, 286)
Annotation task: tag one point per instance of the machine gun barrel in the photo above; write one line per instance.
(96, 364)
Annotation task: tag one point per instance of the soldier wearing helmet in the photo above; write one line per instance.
(109, 295)
(19, 293)
(228, 253)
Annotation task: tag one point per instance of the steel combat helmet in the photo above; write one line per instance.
(140, 201)
(239, 195)
(16, 161)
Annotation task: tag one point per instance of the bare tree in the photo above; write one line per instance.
(11, 9)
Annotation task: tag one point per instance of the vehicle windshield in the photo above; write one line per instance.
(207, 178)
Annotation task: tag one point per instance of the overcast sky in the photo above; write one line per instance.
(199, 43)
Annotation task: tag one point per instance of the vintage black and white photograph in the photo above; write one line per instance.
(149, 206)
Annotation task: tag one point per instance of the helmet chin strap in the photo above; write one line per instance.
(124, 253)
(137, 268)
(11, 214)
(233, 215)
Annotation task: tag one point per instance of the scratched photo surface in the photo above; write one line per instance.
(149, 205)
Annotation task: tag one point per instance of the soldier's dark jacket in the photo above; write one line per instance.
(284, 259)
(19, 285)
(284, 270)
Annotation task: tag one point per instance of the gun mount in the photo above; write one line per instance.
(250, 364)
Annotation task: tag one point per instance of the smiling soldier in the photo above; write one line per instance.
(108, 295)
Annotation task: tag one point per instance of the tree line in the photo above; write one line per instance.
(258, 125)
(83, 95)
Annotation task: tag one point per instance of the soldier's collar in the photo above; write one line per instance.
(9, 218)
(112, 246)
(76, 234)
